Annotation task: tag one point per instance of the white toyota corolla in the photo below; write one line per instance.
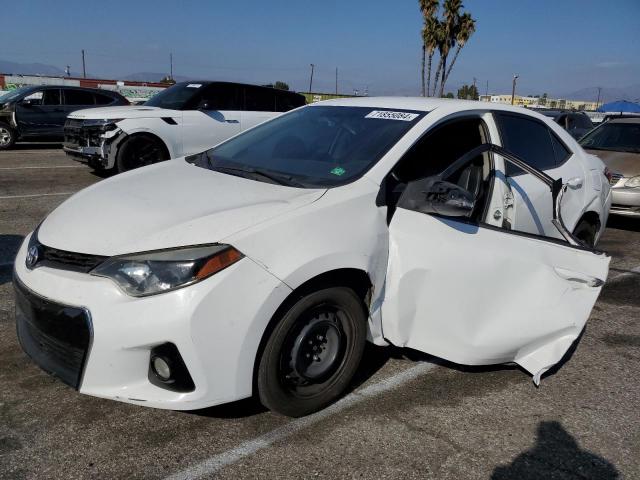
(460, 229)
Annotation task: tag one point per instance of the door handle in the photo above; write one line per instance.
(580, 279)
(231, 121)
(575, 182)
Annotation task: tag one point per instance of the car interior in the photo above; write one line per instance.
(438, 149)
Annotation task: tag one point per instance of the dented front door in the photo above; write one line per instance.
(478, 294)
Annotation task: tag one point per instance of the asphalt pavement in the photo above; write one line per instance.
(409, 415)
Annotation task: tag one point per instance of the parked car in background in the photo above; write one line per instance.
(187, 118)
(617, 143)
(262, 265)
(39, 113)
(576, 123)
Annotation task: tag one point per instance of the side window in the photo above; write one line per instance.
(582, 121)
(78, 97)
(528, 139)
(51, 97)
(562, 153)
(34, 98)
(258, 99)
(219, 96)
(436, 151)
(102, 99)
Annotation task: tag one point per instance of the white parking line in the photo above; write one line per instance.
(8, 197)
(42, 166)
(215, 463)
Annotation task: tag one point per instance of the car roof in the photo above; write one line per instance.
(211, 82)
(422, 104)
(625, 120)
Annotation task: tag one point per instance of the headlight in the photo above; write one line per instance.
(633, 182)
(105, 124)
(150, 273)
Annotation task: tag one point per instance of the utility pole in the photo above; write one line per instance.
(84, 67)
(336, 81)
(598, 101)
(474, 88)
(486, 92)
(171, 66)
(311, 79)
(513, 88)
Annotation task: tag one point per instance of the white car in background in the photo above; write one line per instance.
(187, 118)
(263, 264)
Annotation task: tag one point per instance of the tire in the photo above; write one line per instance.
(139, 151)
(313, 352)
(7, 136)
(586, 232)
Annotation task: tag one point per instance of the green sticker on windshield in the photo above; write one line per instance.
(338, 171)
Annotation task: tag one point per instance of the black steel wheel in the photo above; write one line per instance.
(313, 352)
(7, 136)
(139, 151)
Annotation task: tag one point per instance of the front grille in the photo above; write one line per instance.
(63, 260)
(57, 337)
(615, 178)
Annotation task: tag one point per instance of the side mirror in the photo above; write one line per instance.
(204, 105)
(27, 102)
(432, 195)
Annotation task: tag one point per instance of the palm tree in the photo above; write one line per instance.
(451, 25)
(429, 9)
(430, 36)
(465, 29)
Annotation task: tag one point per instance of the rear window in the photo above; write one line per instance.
(103, 99)
(78, 97)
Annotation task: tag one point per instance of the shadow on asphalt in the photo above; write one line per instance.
(556, 454)
(624, 223)
(36, 146)
(9, 245)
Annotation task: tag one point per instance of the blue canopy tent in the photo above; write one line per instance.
(621, 106)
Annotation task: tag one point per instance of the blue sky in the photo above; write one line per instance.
(555, 46)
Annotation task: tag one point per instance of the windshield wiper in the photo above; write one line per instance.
(249, 172)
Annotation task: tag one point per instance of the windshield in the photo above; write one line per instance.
(620, 137)
(14, 94)
(312, 147)
(175, 97)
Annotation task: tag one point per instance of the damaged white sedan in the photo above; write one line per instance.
(263, 265)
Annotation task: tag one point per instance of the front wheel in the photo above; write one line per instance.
(139, 151)
(313, 352)
(7, 136)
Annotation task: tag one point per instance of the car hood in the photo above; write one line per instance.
(626, 163)
(127, 111)
(170, 204)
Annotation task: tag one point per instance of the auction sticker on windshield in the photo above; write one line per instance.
(194, 85)
(389, 115)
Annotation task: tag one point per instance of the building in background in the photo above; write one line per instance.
(541, 102)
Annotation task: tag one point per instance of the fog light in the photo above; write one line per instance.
(161, 368)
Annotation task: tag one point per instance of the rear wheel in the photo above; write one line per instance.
(313, 352)
(139, 151)
(7, 136)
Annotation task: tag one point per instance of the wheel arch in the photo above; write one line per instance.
(145, 133)
(356, 279)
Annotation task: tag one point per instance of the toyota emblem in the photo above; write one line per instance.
(32, 256)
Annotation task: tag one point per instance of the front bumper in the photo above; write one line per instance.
(216, 325)
(626, 201)
(90, 144)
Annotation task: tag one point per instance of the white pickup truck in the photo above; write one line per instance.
(187, 118)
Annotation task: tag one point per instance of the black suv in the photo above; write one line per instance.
(39, 113)
(576, 123)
